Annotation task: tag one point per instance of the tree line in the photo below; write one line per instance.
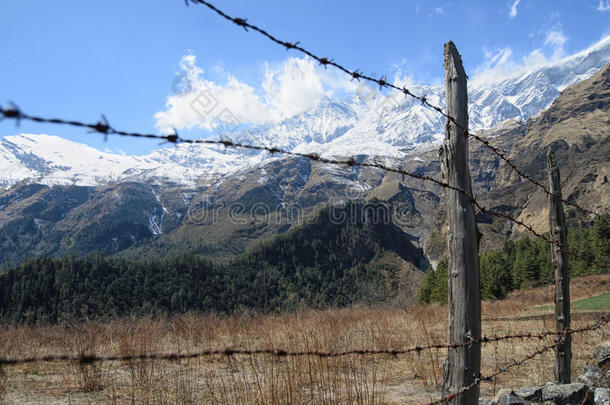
(526, 263)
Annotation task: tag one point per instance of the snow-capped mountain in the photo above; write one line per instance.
(366, 123)
(49, 159)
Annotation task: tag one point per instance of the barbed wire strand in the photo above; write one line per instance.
(275, 352)
(89, 358)
(104, 128)
(516, 363)
(382, 82)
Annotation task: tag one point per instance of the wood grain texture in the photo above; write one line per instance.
(463, 364)
(558, 232)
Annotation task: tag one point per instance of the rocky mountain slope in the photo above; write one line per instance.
(577, 128)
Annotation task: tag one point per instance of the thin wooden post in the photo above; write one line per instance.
(558, 230)
(463, 364)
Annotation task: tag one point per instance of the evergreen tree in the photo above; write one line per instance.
(527, 263)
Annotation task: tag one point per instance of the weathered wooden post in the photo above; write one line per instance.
(463, 363)
(557, 225)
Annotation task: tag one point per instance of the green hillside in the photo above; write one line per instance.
(325, 262)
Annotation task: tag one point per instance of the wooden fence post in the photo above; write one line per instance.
(463, 364)
(558, 230)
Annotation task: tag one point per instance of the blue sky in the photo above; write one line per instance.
(78, 59)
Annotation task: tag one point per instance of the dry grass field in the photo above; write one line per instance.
(264, 379)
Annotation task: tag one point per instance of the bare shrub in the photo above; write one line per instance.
(91, 377)
(3, 385)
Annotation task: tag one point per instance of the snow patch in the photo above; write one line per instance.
(264, 177)
(155, 226)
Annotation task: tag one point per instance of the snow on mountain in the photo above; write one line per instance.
(372, 123)
(329, 120)
(366, 123)
(49, 159)
(527, 93)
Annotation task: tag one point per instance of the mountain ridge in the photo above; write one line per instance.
(366, 123)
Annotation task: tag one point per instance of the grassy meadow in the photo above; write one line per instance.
(264, 379)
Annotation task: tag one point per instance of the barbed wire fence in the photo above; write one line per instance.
(228, 351)
(103, 127)
(560, 337)
(518, 362)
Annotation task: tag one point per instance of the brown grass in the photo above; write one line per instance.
(264, 379)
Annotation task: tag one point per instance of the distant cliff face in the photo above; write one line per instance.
(577, 128)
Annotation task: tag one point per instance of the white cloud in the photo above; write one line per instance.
(500, 63)
(439, 10)
(604, 5)
(513, 9)
(293, 87)
(500, 57)
(556, 40)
